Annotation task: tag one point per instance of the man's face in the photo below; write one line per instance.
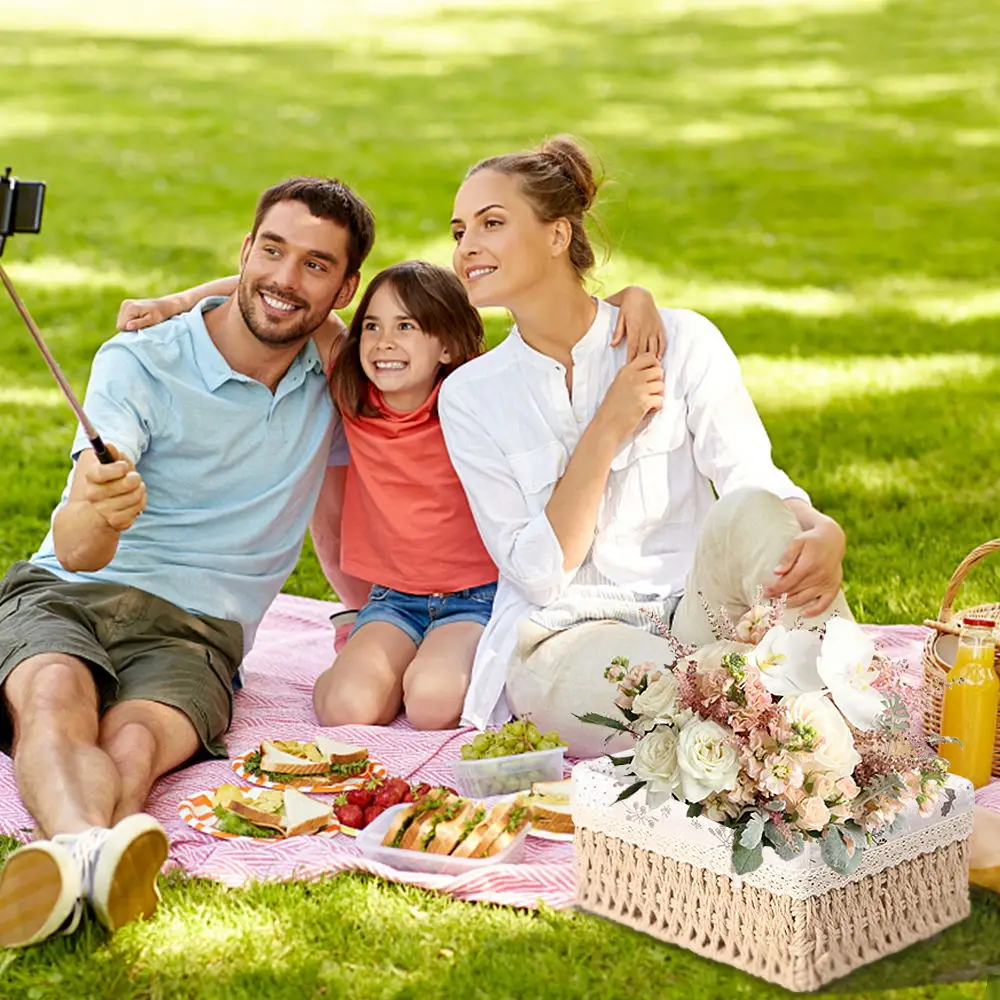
(292, 274)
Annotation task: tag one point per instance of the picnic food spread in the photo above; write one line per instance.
(269, 814)
(443, 823)
(357, 807)
(294, 762)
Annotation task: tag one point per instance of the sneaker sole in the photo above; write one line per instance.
(34, 898)
(132, 893)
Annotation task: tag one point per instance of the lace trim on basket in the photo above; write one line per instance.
(667, 830)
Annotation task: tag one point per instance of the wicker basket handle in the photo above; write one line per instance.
(958, 577)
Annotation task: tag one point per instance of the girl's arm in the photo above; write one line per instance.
(136, 314)
(639, 322)
(325, 530)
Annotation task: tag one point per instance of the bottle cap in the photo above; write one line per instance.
(980, 622)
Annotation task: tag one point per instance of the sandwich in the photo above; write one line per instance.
(497, 829)
(550, 804)
(270, 815)
(292, 762)
(444, 823)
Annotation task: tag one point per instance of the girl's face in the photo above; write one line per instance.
(401, 359)
(502, 249)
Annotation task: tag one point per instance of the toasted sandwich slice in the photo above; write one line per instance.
(304, 815)
(509, 819)
(278, 761)
(399, 824)
(478, 838)
(422, 826)
(553, 792)
(264, 811)
(550, 806)
(336, 752)
(449, 826)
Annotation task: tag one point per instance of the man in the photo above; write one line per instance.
(120, 638)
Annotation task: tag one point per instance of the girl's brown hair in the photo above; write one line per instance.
(558, 180)
(431, 295)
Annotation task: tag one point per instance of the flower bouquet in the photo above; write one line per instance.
(794, 739)
(783, 735)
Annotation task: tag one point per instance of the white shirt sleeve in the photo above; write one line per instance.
(731, 446)
(523, 546)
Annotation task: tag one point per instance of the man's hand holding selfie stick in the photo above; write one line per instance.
(107, 494)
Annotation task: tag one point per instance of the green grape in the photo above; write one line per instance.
(496, 752)
(553, 737)
(481, 742)
(547, 744)
(468, 752)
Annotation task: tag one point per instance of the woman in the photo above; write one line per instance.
(591, 476)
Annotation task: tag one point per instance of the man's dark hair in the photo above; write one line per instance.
(326, 198)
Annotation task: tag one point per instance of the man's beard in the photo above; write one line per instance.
(263, 328)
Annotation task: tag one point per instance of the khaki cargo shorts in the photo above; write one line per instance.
(137, 646)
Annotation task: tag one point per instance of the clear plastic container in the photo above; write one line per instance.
(500, 775)
(369, 842)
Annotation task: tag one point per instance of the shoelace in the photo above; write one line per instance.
(85, 848)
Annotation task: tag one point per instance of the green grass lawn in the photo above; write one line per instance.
(819, 178)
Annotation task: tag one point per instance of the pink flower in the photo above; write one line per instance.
(813, 814)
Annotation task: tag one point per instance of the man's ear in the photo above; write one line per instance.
(562, 234)
(245, 250)
(347, 291)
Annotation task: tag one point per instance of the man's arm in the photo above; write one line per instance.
(104, 501)
(325, 530)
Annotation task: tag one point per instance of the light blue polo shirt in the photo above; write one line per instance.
(232, 471)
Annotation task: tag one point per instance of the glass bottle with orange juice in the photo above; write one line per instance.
(971, 698)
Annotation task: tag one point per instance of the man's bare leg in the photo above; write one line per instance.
(66, 781)
(144, 739)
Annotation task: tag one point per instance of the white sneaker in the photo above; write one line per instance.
(39, 894)
(119, 868)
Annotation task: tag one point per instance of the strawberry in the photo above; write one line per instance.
(422, 789)
(372, 813)
(351, 815)
(408, 797)
(390, 795)
(359, 797)
(401, 783)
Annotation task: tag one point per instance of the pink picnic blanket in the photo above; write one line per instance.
(294, 644)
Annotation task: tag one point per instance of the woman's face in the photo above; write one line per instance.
(502, 249)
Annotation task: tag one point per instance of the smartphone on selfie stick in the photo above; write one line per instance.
(21, 212)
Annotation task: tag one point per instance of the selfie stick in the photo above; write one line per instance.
(100, 448)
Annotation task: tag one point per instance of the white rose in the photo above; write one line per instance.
(709, 658)
(659, 700)
(707, 759)
(655, 760)
(833, 752)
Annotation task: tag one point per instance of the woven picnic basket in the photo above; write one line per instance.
(939, 649)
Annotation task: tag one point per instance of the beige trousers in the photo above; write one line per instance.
(556, 675)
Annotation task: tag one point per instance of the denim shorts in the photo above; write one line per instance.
(418, 614)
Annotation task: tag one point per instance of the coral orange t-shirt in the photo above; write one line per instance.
(406, 522)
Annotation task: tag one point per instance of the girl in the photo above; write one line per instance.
(599, 499)
(406, 523)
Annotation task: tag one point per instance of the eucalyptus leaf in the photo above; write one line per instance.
(835, 851)
(604, 720)
(694, 809)
(785, 846)
(752, 831)
(746, 859)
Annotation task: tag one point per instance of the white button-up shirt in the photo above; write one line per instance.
(511, 426)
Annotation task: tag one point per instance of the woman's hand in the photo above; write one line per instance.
(811, 571)
(636, 390)
(137, 314)
(639, 322)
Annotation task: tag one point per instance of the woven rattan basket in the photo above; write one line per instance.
(794, 923)
(939, 649)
